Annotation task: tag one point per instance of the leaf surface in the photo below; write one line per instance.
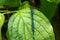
(48, 8)
(20, 26)
(54, 1)
(1, 23)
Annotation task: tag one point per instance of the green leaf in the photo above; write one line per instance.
(1, 19)
(48, 8)
(24, 5)
(1, 23)
(20, 26)
(12, 3)
(55, 1)
(2, 2)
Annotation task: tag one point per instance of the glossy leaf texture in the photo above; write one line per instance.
(20, 26)
(48, 8)
(1, 23)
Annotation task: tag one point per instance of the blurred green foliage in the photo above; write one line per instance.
(54, 1)
(48, 8)
(10, 3)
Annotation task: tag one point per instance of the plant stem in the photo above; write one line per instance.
(7, 12)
